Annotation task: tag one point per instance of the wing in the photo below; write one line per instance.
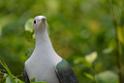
(26, 79)
(65, 73)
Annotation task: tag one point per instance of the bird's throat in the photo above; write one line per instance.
(43, 40)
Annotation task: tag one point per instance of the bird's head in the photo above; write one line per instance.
(40, 22)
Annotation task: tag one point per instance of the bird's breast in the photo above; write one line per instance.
(41, 69)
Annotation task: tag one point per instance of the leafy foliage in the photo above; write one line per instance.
(88, 33)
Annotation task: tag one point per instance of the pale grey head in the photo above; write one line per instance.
(40, 22)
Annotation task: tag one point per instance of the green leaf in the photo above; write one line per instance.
(29, 25)
(107, 77)
(91, 57)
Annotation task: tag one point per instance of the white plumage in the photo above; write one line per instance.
(41, 65)
(44, 64)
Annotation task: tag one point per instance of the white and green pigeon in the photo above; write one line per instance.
(45, 64)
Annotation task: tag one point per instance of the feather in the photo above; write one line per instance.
(65, 73)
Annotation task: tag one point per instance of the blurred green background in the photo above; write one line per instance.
(89, 34)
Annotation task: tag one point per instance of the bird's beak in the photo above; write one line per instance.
(43, 20)
(43, 23)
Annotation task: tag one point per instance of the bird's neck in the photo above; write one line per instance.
(44, 49)
(43, 41)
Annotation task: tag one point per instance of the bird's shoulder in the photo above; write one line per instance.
(65, 73)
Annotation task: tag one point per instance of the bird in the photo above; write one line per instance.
(45, 64)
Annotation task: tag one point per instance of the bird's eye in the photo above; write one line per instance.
(34, 21)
